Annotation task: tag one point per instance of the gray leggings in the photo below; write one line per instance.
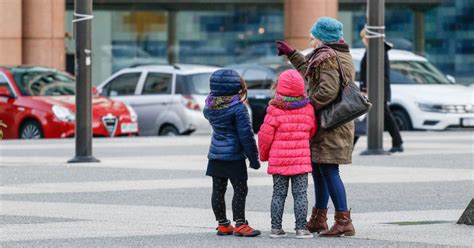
(299, 185)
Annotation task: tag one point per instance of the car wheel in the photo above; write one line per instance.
(169, 130)
(402, 119)
(31, 130)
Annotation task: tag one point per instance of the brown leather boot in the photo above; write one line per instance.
(318, 220)
(342, 227)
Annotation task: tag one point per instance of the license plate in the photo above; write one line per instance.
(129, 127)
(467, 122)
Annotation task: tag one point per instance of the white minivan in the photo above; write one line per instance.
(168, 99)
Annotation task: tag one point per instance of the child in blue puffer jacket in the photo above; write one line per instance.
(232, 141)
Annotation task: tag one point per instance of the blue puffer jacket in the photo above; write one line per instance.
(232, 138)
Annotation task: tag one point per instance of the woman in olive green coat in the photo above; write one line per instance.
(329, 148)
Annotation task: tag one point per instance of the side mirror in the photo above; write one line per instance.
(451, 79)
(95, 92)
(4, 92)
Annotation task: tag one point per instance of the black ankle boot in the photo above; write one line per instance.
(397, 149)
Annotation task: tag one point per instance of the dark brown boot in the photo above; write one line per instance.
(342, 227)
(318, 221)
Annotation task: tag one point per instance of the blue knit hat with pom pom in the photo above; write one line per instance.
(327, 29)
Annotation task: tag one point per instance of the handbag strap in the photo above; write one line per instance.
(342, 73)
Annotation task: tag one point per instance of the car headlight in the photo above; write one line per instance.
(133, 114)
(427, 107)
(63, 113)
(439, 108)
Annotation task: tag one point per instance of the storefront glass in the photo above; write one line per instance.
(450, 38)
(449, 34)
(245, 33)
(237, 34)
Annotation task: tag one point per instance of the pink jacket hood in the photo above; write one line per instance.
(290, 83)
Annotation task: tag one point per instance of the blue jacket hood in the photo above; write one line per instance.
(225, 82)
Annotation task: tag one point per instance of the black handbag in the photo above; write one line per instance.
(348, 105)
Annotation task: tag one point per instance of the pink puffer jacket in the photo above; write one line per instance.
(283, 139)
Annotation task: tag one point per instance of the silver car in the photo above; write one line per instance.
(168, 99)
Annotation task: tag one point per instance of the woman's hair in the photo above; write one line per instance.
(243, 90)
(273, 89)
(363, 33)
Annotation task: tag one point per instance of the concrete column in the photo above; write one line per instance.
(43, 33)
(301, 15)
(10, 32)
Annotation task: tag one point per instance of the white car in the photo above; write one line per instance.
(423, 97)
(168, 99)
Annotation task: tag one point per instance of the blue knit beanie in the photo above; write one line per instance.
(225, 82)
(327, 29)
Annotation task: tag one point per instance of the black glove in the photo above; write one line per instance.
(255, 165)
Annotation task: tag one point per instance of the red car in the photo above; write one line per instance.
(39, 102)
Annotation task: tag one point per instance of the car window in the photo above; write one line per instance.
(258, 79)
(157, 83)
(396, 77)
(39, 81)
(4, 84)
(197, 84)
(239, 70)
(415, 72)
(411, 72)
(123, 85)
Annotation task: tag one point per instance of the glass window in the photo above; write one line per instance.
(123, 85)
(157, 83)
(449, 38)
(447, 18)
(397, 20)
(259, 79)
(133, 33)
(197, 84)
(415, 72)
(124, 37)
(238, 34)
(4, 84)
(38, 81)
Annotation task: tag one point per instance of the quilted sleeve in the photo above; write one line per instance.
(266, 136)
(246, 135)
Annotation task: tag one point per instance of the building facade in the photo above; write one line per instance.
(222, 32)
(32, 32)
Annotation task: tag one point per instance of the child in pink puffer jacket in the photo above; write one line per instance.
(283, 141)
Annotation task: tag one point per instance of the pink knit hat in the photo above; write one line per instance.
(290, 83)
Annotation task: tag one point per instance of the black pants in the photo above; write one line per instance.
(219, 187)
(390, 125)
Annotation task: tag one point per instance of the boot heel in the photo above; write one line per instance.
(349, 233)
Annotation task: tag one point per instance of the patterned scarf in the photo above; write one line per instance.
(221, 102)
(289, 102)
